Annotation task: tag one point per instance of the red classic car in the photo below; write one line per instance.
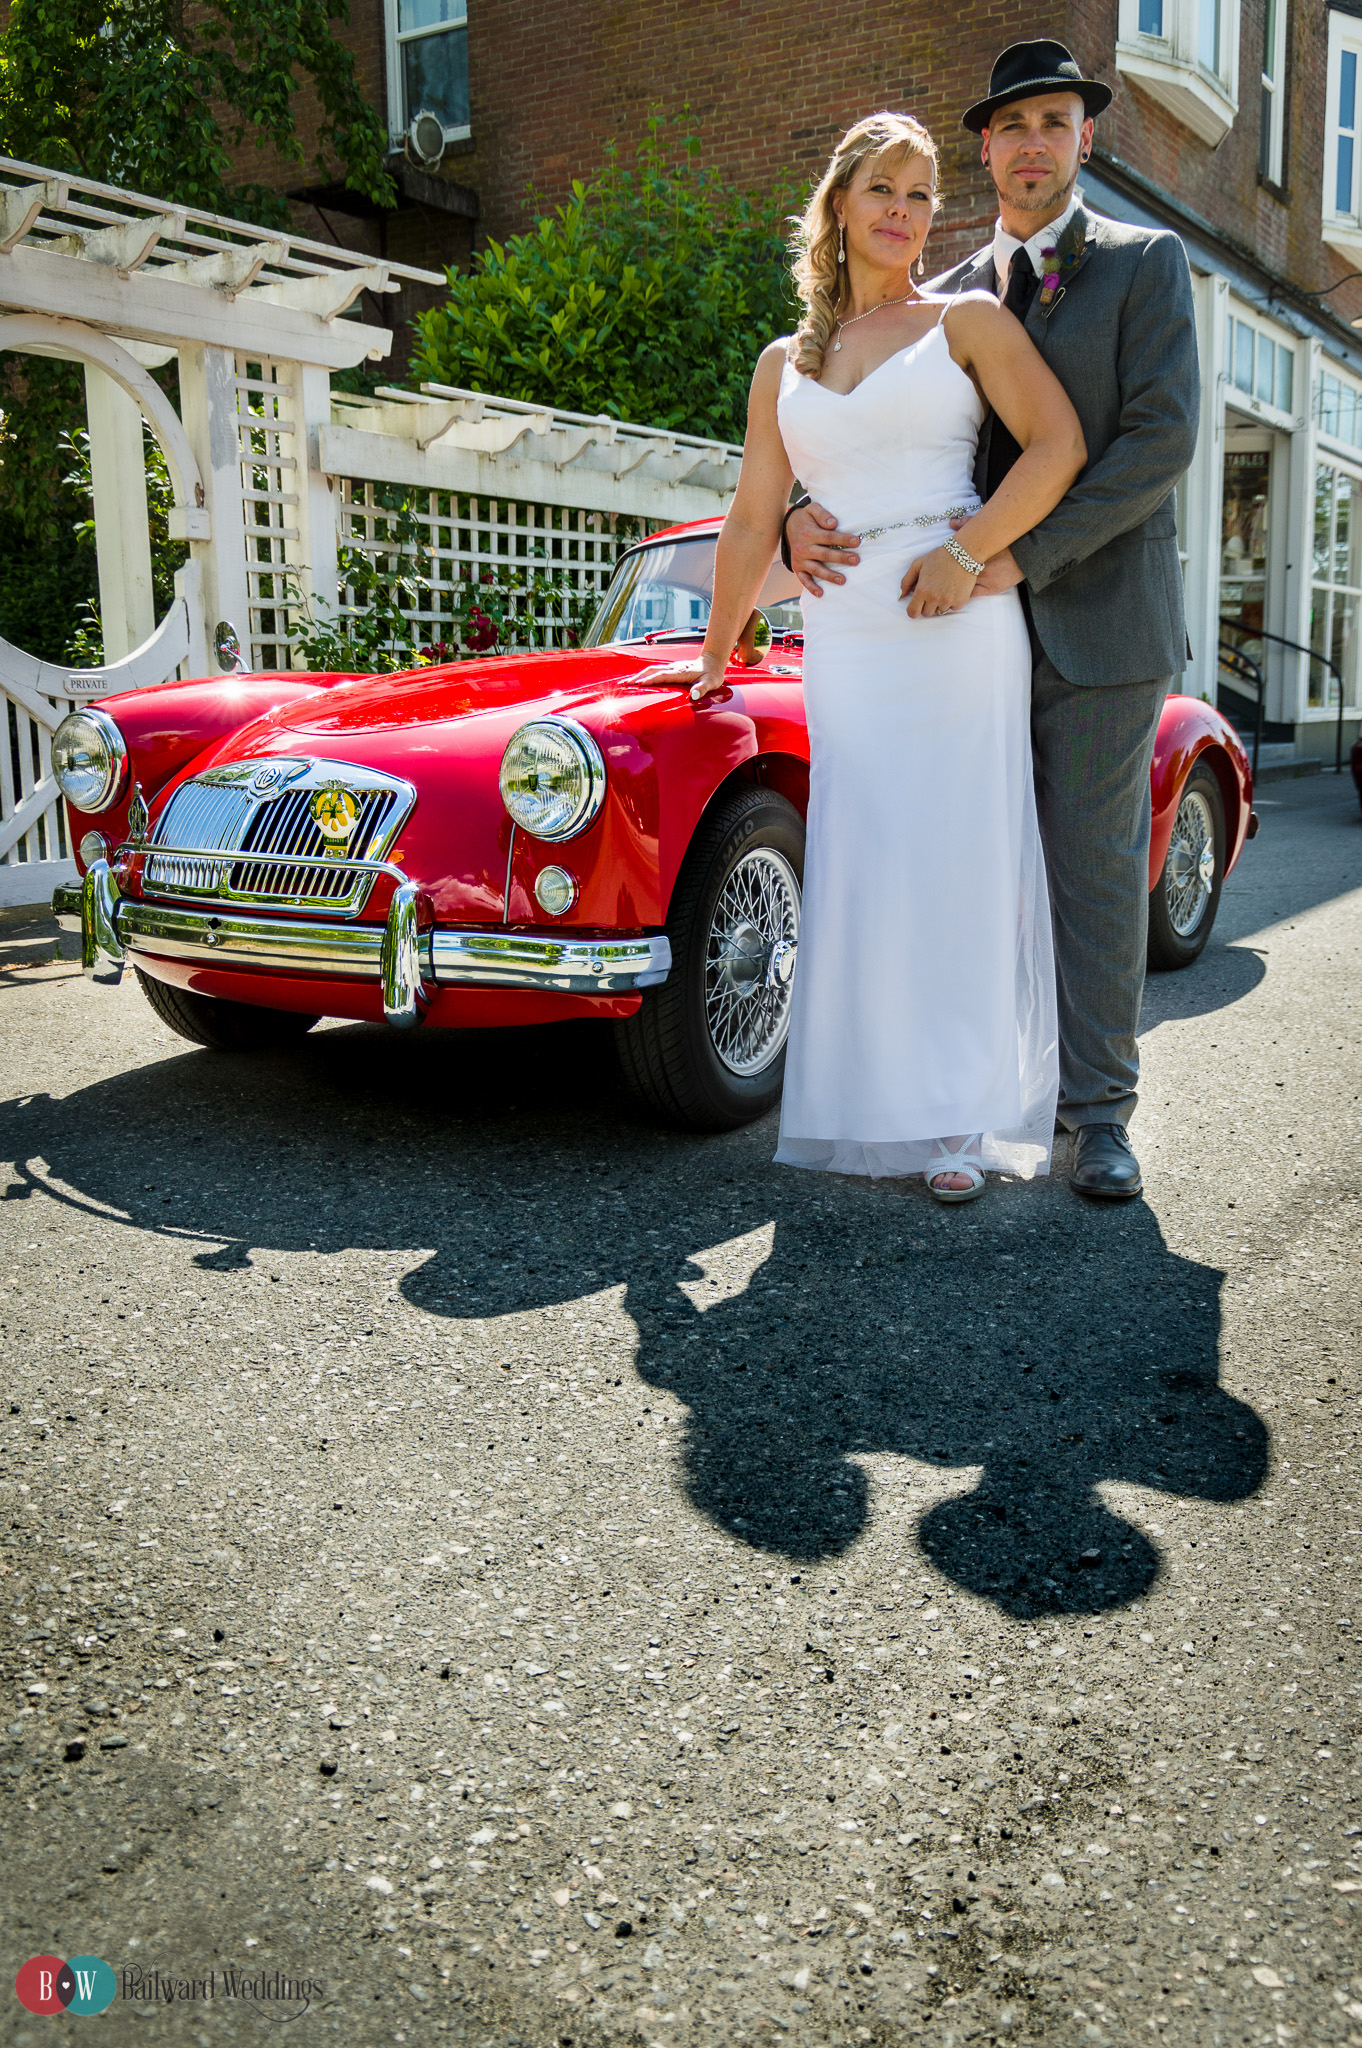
(518, 840)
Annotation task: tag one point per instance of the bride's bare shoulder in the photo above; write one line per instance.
(972, 309)
(775, 355)
(770, 369)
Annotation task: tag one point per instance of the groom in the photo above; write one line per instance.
(1110, 308)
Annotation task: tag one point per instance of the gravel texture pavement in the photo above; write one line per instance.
(515, 1576)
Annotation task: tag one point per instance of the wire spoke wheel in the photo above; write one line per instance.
(1189, 877)
(749, 961)
(706, 1048)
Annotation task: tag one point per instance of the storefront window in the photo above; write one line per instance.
(1336, 583)
(1243, 541)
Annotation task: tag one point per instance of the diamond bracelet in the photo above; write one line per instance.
(963, 557)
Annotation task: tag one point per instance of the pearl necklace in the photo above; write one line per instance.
(836, 346)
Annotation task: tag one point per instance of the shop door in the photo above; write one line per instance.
(1245, 567)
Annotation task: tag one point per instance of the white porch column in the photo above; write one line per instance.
(1205, 486)
(1293, 695)
(127, 606)
(208, 408)
(1291, 672)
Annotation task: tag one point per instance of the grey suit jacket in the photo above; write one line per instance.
(1102, 571)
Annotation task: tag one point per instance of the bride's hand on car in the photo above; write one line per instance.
(702, 678)
(936, 585)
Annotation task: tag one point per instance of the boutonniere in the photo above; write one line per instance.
(1059, 260)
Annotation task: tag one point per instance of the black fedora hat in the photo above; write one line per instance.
(1024, 69)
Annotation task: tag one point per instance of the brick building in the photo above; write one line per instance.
(1235, 122)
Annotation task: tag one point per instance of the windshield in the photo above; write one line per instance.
(667, 589)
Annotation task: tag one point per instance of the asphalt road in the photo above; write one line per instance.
(533, 1579)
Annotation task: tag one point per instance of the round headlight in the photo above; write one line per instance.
(552, 778)
(89, 760)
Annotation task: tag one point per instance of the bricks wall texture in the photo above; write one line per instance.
(768, 86)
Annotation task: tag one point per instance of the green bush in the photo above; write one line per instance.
(647, 296)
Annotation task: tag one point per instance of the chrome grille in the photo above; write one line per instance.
(290, 862)
(286, 827)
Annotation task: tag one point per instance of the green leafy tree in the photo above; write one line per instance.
(154, 95)
(647, 296)
(157, 94)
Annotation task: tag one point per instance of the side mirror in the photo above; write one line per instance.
(754, 641)
(227, 647)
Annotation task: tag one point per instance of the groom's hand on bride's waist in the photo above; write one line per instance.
(817, 549)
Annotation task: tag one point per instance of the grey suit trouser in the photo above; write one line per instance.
(1092, 747)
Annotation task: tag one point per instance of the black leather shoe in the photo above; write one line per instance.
(1101, 1163)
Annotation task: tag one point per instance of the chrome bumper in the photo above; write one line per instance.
(411, 964)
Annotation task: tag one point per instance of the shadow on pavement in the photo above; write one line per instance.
(1223, 975)
(1034, 1348)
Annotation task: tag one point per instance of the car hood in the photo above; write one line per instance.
(444, 730)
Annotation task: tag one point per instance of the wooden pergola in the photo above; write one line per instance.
(258, 319)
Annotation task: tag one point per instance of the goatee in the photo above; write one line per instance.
(1035, 200)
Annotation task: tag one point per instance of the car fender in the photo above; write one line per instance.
(667, 761)
(1190, 729)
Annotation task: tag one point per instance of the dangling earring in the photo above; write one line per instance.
(921, 264)
(841, 243)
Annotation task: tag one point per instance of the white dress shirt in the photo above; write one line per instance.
(1005, 246)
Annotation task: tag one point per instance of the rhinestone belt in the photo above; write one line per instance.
(923, 519)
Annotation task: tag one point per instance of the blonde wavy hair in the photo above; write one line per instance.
(820, 280)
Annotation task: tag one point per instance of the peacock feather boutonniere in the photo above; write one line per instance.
(1061, 259)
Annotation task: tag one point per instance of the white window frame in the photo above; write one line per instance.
(399, 116)
(1342, 228)
(1203, 97)
(1329, 588)
(1255, 400)
(1273, 115)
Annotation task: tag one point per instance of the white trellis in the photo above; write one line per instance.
(502, 489)
(123, 283)
(269, 470)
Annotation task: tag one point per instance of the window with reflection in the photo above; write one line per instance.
(428, 63)
(663, 593)
(1335, 583)
(1273, 102)
(1342, 109)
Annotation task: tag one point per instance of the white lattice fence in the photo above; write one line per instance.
(33, 842)
(539, 570)
(267, 425)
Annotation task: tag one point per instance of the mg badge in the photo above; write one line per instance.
(335, 812)
(272, 776)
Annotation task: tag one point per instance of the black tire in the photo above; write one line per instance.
(696, 1052)
(1184, 900)
(222, 1026)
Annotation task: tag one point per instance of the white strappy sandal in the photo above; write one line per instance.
(958, 1162)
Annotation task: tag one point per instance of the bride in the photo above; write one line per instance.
(922, 1033)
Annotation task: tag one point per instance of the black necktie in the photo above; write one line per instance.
(1021, 284)
(1021, 289)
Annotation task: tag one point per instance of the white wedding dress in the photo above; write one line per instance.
(924, 1000)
